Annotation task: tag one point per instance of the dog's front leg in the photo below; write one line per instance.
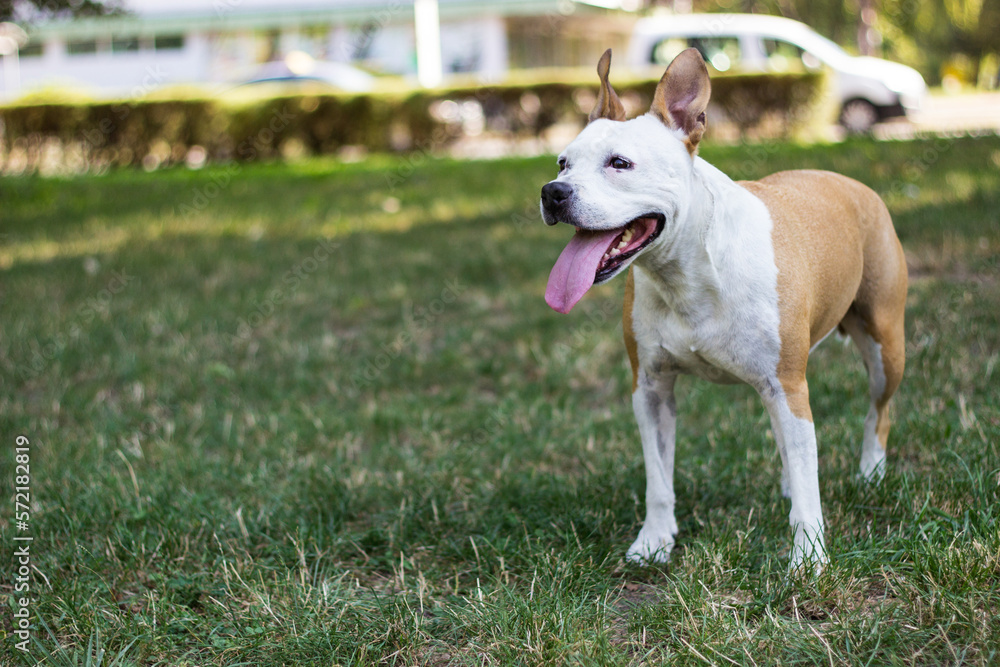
(795, 434)
(656, 414)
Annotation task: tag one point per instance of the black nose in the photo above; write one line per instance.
(554, 194)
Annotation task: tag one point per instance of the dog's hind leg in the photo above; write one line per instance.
(882, 348)
(875, 322)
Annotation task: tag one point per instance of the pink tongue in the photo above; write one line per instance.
(576, 268)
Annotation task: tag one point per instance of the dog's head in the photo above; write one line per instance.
(623, 182)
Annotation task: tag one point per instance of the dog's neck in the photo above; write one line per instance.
(682, 268)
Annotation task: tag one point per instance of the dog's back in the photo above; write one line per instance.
(832, 230)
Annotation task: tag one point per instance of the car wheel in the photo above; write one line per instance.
(858, 116)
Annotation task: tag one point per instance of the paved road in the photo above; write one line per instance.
(944, 114)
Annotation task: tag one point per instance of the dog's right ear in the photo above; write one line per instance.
(682, 95)
(608, 105)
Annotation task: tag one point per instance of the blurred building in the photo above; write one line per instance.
(162, 42)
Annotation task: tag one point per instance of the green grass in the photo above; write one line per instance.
(276, 421)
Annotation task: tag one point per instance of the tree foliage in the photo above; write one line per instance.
(926, 34)
(30, 11)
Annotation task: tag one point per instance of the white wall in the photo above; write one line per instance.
(131, 73)
(479, 44)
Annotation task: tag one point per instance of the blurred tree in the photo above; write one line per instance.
(26, 11)
(928, 34)
(973, 28)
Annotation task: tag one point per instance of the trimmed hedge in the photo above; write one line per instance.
(55, 137)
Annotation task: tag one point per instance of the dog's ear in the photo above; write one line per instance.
(608, 105)
(682, 96)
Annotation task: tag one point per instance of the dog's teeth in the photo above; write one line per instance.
(622, 244)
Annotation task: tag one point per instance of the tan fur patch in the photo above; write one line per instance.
(892, 340)
(835, 248)
(882, 427)
(630, 345)
(796, 395)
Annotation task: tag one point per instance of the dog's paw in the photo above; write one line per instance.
(808, 555)
(872, 471)
(649, 549)
(802, 565)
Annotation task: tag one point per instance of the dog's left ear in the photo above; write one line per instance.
(682, 96)
(608, 105)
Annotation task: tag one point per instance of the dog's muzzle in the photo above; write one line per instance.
(554, 197)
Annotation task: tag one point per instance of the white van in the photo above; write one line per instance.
(870, 89)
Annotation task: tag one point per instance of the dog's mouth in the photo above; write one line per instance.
(593, 257)
(634, 237)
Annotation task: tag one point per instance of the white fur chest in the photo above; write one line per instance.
(716, 317)
(670, 342)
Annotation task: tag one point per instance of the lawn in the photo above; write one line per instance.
(320, 414)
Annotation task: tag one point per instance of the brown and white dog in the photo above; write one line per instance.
(729, 281)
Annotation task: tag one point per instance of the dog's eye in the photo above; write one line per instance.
(618, 162)
(562, 163)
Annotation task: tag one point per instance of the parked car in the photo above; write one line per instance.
(298, 68)
(870, 89)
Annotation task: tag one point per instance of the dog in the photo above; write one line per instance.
(731, 281)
